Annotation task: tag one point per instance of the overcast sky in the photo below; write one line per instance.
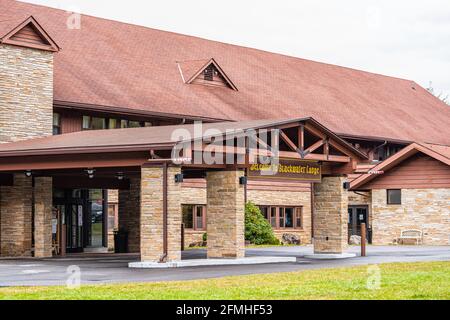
(404, 38)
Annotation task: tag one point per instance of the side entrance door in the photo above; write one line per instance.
(356, 216)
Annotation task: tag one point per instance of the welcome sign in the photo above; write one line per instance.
(304, 171)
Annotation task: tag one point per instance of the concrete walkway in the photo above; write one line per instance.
(98, 269)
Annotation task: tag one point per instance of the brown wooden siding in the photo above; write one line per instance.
(418, 172)
(71, 122)
(29, 35)
(258, 185)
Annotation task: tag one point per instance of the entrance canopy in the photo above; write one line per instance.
(118, 153)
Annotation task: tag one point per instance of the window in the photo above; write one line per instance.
(56, 123)
(93, 123)
(283, 217)
(194, 217)
(394, 196)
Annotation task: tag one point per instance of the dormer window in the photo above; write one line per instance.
(204, 72)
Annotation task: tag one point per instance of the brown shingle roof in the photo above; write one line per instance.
(146, 138)
(121, 65)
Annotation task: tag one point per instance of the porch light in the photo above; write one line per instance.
(28, 173)
(120, 176)
(90, 173)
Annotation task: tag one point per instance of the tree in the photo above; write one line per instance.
(440, 96)
(257, 228)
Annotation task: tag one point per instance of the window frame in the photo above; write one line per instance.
(296, 212)
(388, 198)
(194, 217)
(56, 124)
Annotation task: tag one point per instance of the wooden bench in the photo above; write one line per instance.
(411, 234)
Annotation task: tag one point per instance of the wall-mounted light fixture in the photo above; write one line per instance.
(179, 178)
(90, 172)
(243, 181)
(28, 173)
(346, 185)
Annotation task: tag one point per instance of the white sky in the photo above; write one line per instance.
(404, 38)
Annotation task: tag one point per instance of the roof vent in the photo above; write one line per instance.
(204, 72)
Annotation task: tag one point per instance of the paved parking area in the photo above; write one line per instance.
(97, 269)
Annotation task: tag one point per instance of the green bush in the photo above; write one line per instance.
(257, 228)
(205, 237)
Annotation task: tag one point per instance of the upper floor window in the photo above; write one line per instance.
(194, 217)
(56, 123)
(283, 217)
(93, 123)
(394, 196)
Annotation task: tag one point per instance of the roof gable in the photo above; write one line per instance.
(30, 34)
(206, 72)
(438, 152)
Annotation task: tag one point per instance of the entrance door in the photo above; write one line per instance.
(82, 218)
(356, 216)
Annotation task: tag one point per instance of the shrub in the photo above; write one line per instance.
(257, 228)
(205, 237)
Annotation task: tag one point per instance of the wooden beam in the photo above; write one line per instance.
(315, 146)
(288, 141)
(314, 156)
(301, 137)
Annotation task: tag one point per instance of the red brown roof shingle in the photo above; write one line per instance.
(116, 64)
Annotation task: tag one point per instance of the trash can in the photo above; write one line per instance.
(120, 241)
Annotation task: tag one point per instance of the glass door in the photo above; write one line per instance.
(356, 216)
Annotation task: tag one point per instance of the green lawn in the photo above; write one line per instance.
(429, 280)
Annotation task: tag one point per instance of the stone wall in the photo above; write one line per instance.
(43, 203)
(330, 216)
(259, 197)
(129, 213)
(423, 209)
(26, 111)
(16, 215)
(26, 93)
(152, 214)
(225, 222)
(286, 198)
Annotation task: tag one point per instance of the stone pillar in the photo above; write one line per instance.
(225, 222)
(129, 213)
(16, 213)
(330, 216)
(43, 203)
(152, 247)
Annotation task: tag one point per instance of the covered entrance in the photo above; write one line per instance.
(147, 166)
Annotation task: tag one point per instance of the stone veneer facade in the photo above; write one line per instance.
(197, 196)
(290, 199)
(26, 93)
(26, 111)
(330, 216)
(43, 199)
(225, 221)
(16, 215)
(152, 248)
(423, 209)
(129, 214)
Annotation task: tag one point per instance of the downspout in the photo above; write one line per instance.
(165, 206)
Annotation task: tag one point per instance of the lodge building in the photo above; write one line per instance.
(87, 115)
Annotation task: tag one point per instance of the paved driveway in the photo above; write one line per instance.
(113, 268)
